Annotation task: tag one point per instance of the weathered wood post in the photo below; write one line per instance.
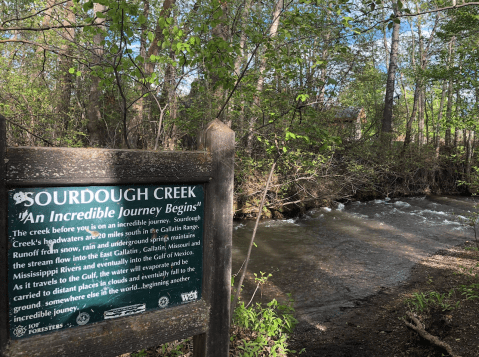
(219, 140)
(104, 251)
(3, 233)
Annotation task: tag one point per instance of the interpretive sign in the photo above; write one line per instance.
(106, 251)
(84, 254)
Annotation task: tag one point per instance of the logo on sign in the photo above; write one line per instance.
(19, 331)
(193, 295)
(163, 302)
(83, 318)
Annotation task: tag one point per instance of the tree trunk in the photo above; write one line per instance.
(407, 139)
(142, 104)
(220, 31)
(469, 144)
(95, 126)
(135, 138)
(154, 48)
(240, 62)
(439, 115)
(259, 85)
(457, 131)
(420, 123)
(65, 63)
(385, 38)
(419, 96)
(449, 95)
(393, 58)
(404, 95)
(323, 71)
(169, 90)
(426, 117)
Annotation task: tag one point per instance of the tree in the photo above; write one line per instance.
(391, 77)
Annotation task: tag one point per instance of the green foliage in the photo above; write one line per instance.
(471, 292)
(272, 324)
(141, 353)
(425, 302)
(433, 300)
(261, 280)
(471, 219)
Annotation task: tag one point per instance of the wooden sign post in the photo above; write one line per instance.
(110, 251)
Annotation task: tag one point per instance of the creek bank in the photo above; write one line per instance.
(374, 327)
(277, 208)
(302, 184)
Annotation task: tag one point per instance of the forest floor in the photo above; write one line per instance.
(442, 292)
(445, 287)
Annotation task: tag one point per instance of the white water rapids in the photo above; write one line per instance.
(331, 258)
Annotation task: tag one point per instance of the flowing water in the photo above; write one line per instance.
(331, 258)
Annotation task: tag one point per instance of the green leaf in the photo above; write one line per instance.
(88, 6)
(151, 36)
(302, 97)
(218, 14)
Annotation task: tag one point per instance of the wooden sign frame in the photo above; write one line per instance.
(208, 319)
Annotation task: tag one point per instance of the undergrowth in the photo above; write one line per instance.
(257, 330)
(425, 302)
(263, 330)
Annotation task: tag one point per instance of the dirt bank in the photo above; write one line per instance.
(375, 326)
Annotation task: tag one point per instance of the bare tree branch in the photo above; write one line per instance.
(33, 15)
(403, 14)
(46, 28)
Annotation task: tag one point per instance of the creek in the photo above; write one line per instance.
(330, 259)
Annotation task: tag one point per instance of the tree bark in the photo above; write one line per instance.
(169, 92)
(142, 104)
(419, 96)
(323, 71)
(457, 131)
(220, 31)
(393, 58)
(135, 139)
(439, 115)
(469, 144)
(407, 139)
(422, 62)
(95, 126)
(240, 62)
(385, 39)
(404, 95)
(65, 85)
(259, 84)
(449, 95)
(420, 122)
(154, 48)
